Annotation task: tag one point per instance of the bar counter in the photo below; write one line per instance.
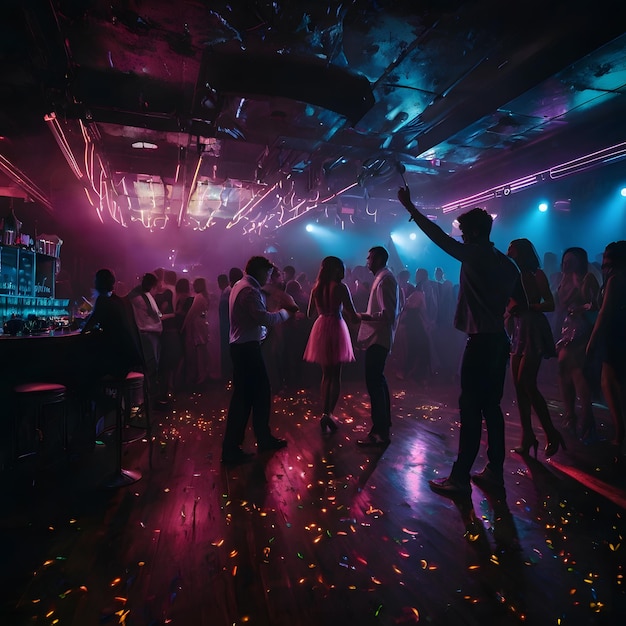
(48, 357)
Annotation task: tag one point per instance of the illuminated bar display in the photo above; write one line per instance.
(27, 287)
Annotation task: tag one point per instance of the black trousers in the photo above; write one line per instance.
(377, 388)
(483, 370)
(251, 394)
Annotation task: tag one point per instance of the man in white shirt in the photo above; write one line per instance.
(148, 320)
(376, 335)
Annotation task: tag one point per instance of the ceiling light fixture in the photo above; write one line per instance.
(144, 145)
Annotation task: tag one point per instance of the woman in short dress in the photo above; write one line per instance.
(329, 343)
(532, 341)
(576, 308)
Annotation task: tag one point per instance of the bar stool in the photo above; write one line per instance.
(37, 398)
(125, 392)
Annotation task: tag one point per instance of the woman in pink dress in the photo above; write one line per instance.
(329, 343)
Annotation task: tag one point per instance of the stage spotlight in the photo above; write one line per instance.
(623, 192)
(543, 207)
(412, 236)
(310, 228)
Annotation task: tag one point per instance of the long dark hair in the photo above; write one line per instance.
(615, 255)
(330, 267)
(582, 259)
(526, 258)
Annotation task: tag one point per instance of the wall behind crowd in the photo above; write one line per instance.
(583, 210)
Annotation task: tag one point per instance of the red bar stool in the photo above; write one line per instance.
(37, 399)
(129, 394)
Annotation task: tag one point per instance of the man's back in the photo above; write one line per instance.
(488, 280)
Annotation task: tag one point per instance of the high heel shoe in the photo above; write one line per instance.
(554, 443)
(328, 424)
(524, 448)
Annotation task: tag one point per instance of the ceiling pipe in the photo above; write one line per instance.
(24, 183)
(66, 150)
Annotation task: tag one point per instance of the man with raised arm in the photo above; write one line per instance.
(488, 280)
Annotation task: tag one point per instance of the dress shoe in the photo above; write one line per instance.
(236, 457)
(374, 440)
(273, 443)
(328, 424)
(449, 487)
(488, 480)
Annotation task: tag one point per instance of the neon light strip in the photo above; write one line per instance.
(558, 171)
(465, 202)
(185, 203)
(253, 202)
(616, 151)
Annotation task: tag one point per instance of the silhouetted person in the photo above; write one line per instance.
(608, 337)
(576, 308)
(275, 347)
(531, 342)
(234, 274)
(182, 303)
(115, 348)
(170, 337)
(488, 280)
(414, 333)
(196, 336)
(222, 314)
(444, 338)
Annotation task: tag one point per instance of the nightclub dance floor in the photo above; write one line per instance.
(321, 532)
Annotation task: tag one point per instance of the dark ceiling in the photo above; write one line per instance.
(261, 112)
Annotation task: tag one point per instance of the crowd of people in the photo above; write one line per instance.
(275, 331)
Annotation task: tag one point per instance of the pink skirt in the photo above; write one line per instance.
(329, 342)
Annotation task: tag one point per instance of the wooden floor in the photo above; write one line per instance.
(320, 533)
